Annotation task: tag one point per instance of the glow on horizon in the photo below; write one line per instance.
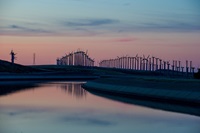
(107, 29)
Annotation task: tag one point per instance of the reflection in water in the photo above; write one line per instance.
(12, 87)
(73, 89)
(52, 108)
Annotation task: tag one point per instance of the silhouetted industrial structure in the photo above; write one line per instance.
(13, 58)
(79, 58)
(148, 64)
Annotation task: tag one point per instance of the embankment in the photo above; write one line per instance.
(176, 91)
(44, 77)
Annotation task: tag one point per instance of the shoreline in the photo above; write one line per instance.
(45, 76)
(27, 78)
(170, 93)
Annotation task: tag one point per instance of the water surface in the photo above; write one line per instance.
(64, 107)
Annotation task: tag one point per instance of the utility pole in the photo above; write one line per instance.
(33, 58)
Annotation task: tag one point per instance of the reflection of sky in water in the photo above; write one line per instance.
(64, 107)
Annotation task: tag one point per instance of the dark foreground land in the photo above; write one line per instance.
(9, 71)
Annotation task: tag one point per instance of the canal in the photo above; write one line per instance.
(65, 107)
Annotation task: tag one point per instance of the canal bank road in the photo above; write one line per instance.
(165, 90)
(44, 76)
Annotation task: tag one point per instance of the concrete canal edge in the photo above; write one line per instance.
(176, 96)
(29, 77)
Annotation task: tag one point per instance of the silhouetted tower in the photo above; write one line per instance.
(12, 56)
(179, 66)
(173, 65)
(149, 64)
(153, 63)
(164, 67)
(58, 61)
(187, 67)
(156, 63)
(33, 58)
(182, 69)
(176, 68)
(138, 63)
(168, 64)
(160, 64)
(190, 66)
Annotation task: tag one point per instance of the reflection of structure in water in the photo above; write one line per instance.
(74, 89)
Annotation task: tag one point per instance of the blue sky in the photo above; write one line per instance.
(98, 17)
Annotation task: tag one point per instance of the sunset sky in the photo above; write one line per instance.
(169, 29)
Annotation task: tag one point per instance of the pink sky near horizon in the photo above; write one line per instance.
(167, 46)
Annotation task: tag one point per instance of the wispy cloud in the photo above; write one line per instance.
(89, 22)
(87, 27)
(171, 26)
(19, 30)
(72, 27)
(36, 30)
(95, 27)
(160, 26)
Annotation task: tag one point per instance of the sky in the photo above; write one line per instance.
(167, 29)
